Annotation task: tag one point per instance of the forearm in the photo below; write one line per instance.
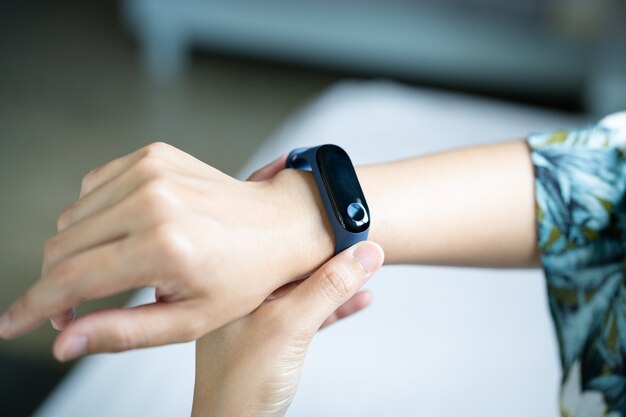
(467, 207)
(472, 206)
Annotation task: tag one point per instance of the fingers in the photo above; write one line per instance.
(333, 284)
(97, 273)
(100, 229)
(107, 195)
(358, 302)
(152, 204)
(269, 170)
(99, 176)
(157, 150)
(116, 330)
(108, 185)
(60, 321)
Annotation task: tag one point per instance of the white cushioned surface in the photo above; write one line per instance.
(436, 341)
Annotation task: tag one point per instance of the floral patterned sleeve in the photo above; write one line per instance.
(580, 186)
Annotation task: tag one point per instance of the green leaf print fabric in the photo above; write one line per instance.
(580, 186)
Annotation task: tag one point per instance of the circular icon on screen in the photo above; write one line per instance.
(357, 213)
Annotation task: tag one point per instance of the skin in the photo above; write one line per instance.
(251, 367)
(467, 207)
(159, 217)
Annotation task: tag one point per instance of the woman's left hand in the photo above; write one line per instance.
(251, 367)
(160, 218)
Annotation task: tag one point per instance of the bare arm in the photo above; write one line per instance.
(471, 206)
(159, 217)
(466, 207)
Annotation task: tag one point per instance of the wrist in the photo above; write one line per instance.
(308, 236)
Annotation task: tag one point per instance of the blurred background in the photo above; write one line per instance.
(84, 82)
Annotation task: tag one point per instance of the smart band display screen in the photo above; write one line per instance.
(342, 186)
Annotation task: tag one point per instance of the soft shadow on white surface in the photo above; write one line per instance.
(436, 342)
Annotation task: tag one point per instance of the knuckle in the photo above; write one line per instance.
(22, 304)
(173, 248)
(157, 148)
(334, 283)
(121, 338)
(88, 180)
(26, 305)
(155, 191)
(65, 218)
(63, 274)
(52, 249)
(149, 167)
(157, 197)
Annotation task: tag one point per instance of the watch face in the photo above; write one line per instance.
(343, 189)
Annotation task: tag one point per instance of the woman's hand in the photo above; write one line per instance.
(212, 246)
(251, 367)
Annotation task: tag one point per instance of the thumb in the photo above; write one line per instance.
(332, 284)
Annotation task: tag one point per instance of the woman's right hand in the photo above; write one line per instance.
(251, 367)
(212, 246)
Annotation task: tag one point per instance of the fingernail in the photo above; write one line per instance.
(71, 315)
(5, 324)
(61, 321)
(74, 347)
(369, 255)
